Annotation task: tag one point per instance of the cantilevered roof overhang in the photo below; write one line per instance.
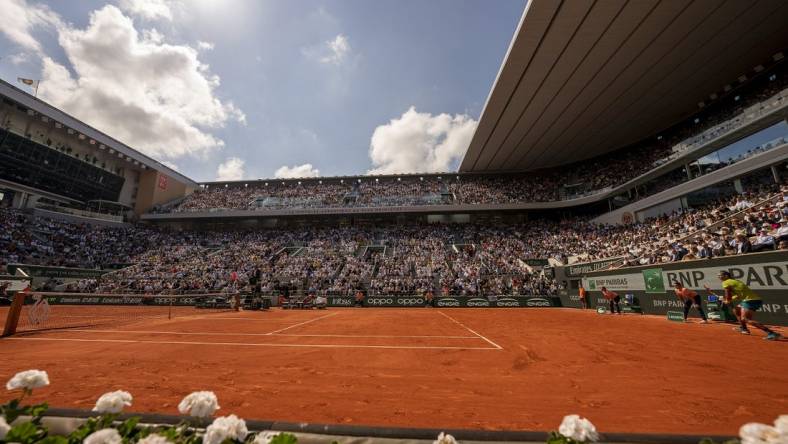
(583, 77)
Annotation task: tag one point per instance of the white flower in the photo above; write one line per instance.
(154, 439)
(225, 427)
(577, 428)
(756, 433)
(781, 424)
(264, 437)
(113, 402)
(104, 436)
(199, 404)
(28, 380)
(445, 438)
(4, 428)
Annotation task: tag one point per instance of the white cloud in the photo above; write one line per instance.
(147, 9)
(305, 170)
(338, 50)
(420, 142)
(205, 46)
(231, 169)
(19, 59)
(331, 52)
(19, 20)
(156, 97)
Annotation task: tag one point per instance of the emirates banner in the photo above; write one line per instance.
(14, 283)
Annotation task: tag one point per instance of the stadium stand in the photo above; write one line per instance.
(468, 259)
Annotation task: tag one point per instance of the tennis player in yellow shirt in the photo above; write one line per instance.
(745, 303)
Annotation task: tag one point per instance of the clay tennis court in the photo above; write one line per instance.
(507, 369)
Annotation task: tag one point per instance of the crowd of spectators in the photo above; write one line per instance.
(448, 259)
(40, 241)
(743, 224)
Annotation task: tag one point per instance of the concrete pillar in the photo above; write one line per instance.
(738, 186)
(19, 199)
(776, 174)
(689, 171)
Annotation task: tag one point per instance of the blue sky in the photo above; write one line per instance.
(240, 89)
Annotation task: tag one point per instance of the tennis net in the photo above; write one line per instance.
(52, 311)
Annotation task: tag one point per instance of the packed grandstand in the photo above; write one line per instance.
(467, 259)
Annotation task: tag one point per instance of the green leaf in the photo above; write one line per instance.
(128, 427)
(25, 433)
(11, 411)
(54, 440)
(556, 438)
(37, 411)
(284, 438)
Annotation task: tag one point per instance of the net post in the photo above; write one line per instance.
(12, 321)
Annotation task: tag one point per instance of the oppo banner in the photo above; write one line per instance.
(765, 273)
(448, 302)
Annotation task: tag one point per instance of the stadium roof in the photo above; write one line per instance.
(134, 157)
(582, 78)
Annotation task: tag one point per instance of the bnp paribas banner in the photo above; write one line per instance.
(653, 286)
(763, 276)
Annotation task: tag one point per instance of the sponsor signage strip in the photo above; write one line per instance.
(446, 302)
(39, 271)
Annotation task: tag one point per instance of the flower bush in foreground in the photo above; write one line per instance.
(104, 436)
(4, 427)
(225, 427)
(28, 380)
(113, 402)
(445, 438)
(199, 405)
(154, 439)
(756, 433)
(573, 430)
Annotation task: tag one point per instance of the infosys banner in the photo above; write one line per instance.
(766, 273)
(448, 302)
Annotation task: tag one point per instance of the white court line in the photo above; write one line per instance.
(379, 336)
(184, 333)
(253, 344)
(303, 323)
(200, 317)
(465, 327)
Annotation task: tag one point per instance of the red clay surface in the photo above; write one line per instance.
(510, 369)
